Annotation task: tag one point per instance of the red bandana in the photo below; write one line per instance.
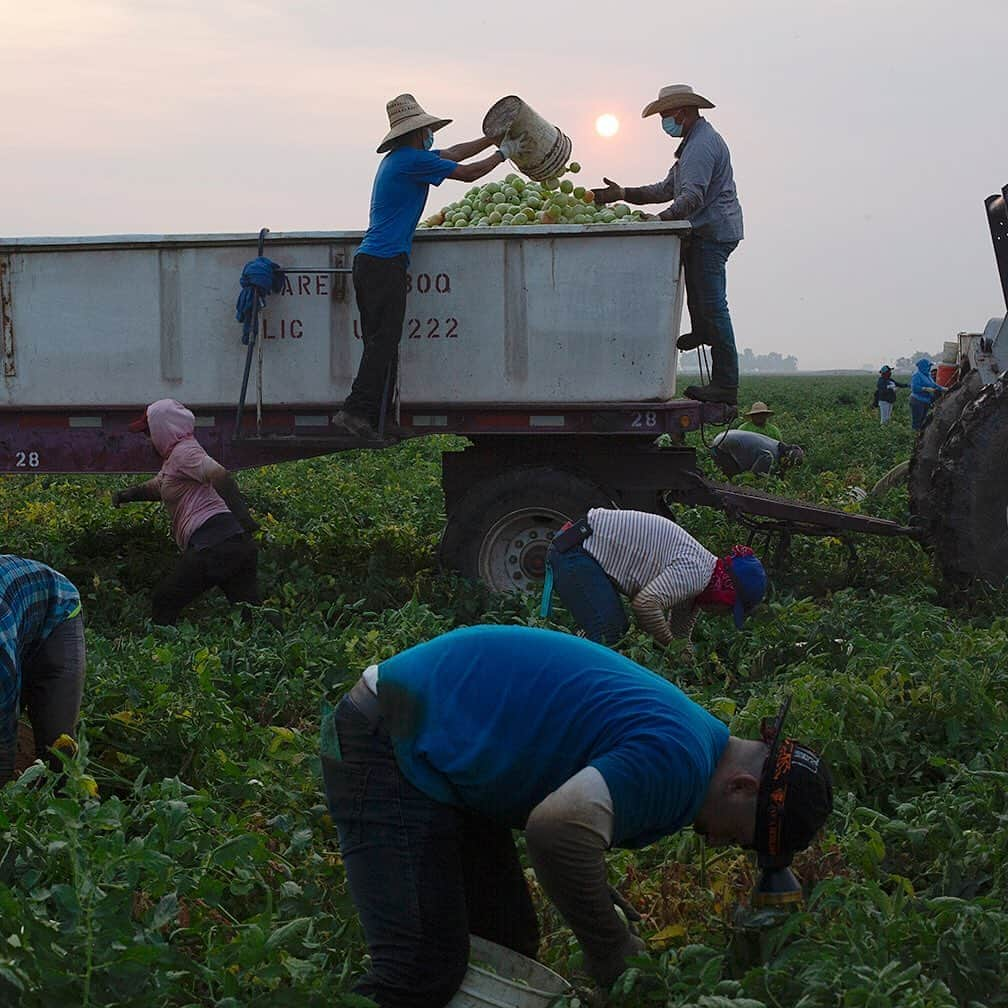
(720, 589)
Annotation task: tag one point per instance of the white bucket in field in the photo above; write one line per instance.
(547, 151)
(501, 978)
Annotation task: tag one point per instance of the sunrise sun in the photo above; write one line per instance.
(607, 125)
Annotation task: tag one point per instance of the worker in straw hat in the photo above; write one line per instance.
(406, 173)
(757, 420)
(701, 188)
(437, 753)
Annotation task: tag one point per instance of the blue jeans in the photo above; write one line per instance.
(918, 412)
(706, 295)
(423, 875)
(589, 595)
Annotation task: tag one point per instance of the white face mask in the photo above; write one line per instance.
(428, 140)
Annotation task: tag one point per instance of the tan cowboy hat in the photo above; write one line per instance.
(404, 116)
(675, 96)
(759, 408)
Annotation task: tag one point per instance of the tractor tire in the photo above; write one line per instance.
(923, 503)
(501, 529)
(970, 489)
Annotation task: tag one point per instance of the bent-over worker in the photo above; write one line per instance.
(667, 575)
(438, 753)
(701, 187)
(42, 657)
(739, 451)
(398, 197)
(209, 517)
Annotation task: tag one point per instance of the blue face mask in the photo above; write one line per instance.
(671, 127)
(428, 140)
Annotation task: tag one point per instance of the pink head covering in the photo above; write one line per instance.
(169, 423)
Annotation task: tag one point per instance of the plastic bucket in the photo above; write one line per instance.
(501, 978)
(547, 149)
(947, 374)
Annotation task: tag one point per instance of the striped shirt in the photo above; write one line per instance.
(34, 600)
(656, 563)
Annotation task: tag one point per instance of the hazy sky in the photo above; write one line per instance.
(864, 134)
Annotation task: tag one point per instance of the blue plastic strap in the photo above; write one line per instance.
(547, 595)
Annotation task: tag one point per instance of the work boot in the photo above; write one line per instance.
(690, 341)
(355, 425)
(713, 394)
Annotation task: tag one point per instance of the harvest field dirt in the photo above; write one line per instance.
(206, 871)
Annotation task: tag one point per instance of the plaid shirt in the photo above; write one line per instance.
(34, 600)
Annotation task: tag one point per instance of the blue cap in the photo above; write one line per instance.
(750, 581)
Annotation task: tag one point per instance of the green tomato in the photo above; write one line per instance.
(519, 184)
(579, 192)
(496, 217)
(574, 167)
(551, 183)
(499, 197)
(510, 178)
(566, 186)
(621, 210)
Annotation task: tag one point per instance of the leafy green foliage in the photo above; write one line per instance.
(205, 870)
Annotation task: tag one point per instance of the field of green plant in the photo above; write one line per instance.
(206, 872)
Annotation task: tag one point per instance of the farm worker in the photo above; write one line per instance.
(41, 657)
(885, 393)
(210, 519)
(701, 186)
(758, 421)
(739, 451)
(406, 173)
(920, 398)
(667, 575)
(435, 755)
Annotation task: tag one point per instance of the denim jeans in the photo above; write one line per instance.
(589, 595)
(380, 288)
(423, 875)
(704, 264)
(918, 412)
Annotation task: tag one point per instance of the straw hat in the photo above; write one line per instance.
(404, 116)
(675, 96)
(759, 408)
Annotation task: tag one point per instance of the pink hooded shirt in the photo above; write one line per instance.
(184, 479)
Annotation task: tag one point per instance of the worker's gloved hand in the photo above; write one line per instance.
(630, 912)
(250, 524)
(610, 194)
(512, 147)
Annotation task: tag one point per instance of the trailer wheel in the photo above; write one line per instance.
(923, 503)
(971, 490)
(501, 529)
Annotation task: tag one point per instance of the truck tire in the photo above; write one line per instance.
(501, 529)
(923, 503)
(971, 490)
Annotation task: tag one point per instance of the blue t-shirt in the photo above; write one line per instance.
(495, 718)
(398, 198)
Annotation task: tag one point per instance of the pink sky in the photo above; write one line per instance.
(864, 135)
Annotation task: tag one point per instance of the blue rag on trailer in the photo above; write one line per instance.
(261, 276)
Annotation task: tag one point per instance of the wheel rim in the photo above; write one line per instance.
(512, 556)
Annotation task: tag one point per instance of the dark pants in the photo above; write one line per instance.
(588, 593)
(423, 875)
(706, 295)
(230, 565)
(52, 684)
(380, 287)
(918, 412)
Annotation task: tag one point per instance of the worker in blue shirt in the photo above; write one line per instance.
(920, 398)
(701, 186)
(41, 656)
(438, 753)
(406, 173)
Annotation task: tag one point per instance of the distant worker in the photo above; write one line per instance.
(758, 421)
(738, 451)
(398, 197)
(42, 657)
(701, 187)
(436, 754)
(667, 575)
(922, 391)
(209, 517)
(885, 393)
